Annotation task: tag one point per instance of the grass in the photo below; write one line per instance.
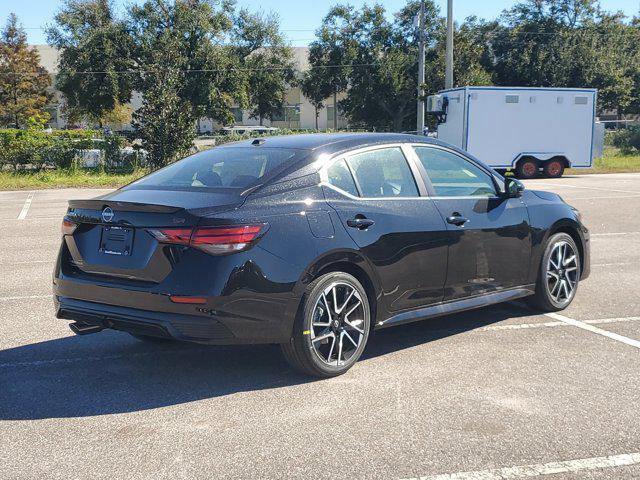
(77, 178)
(613, 161)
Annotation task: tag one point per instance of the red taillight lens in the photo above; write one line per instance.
(180, 236)
(215, 240)
(68, 227)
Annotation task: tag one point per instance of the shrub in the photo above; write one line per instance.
(36, 148)
(627, 139)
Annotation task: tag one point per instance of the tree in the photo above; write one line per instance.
(182, 72)
(567, 43)
(95, 58)
(332, 54)
(374, 59)
(267, 60)
(314, 88)
(23, 82)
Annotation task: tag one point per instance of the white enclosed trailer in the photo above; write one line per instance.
(521, 128)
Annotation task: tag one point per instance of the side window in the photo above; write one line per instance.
(453, 176)
(340, 177)
(383, 173)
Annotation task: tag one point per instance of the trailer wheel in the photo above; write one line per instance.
(554, 168)
(527, 168)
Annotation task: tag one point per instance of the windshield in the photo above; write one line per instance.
(236, 167)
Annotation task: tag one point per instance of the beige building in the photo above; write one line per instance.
(298, 112)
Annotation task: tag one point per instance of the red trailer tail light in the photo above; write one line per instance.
(214, 240)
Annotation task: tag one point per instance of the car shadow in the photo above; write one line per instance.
(111, 372)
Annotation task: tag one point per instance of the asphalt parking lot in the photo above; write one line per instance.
(497, 393)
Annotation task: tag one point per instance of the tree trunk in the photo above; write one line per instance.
(317, 113)
(335, 109)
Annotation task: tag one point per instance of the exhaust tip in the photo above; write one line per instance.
(84, 328)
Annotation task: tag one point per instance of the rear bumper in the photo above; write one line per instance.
(220, 321)
(189, 328)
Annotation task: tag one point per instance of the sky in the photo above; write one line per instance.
(299, 18)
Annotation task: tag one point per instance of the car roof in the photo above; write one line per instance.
(332, 142)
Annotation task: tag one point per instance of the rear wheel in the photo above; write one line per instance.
(333, 326)
(527, 168)
(553, 168)
(558, 276)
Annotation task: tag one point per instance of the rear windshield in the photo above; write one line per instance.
(236, 167)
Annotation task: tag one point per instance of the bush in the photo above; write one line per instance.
(627, 139)
(37, 148)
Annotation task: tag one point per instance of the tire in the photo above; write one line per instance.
(527, 168)
(551, 295)
(553, 168)
(318, 346)
(150, 339)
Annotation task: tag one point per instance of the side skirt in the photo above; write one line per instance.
(456, 306)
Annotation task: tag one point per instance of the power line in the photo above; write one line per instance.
(209, 70)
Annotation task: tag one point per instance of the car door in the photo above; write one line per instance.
(397, 227)
(490, 238)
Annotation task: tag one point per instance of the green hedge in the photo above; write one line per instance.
(36, 148)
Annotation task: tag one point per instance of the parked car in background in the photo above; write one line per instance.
(241, 130)
(529, 130)
(312, 242)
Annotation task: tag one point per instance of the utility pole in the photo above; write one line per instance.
(420, 123)
(448, 72)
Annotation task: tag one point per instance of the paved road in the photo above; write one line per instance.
(497, 391)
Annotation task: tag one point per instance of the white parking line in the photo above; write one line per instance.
(591, 328)
(25, 207)
(521, 326)
(588, 188)
(613, 234)
(539, 469)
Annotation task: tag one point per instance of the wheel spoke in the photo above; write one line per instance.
(353, 308)
(355, 325)
(569, 260)
(326, 304)
(553, 274)
(335, 299)
(339, 349)
(346, 301)
(322, 337)
(571, 269)
(333, 344)
(351, 339)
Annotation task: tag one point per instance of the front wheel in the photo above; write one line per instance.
(558, 276)
(333, 326)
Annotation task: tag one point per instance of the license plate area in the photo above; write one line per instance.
(116, 241)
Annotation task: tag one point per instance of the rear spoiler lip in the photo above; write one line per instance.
(99, 204)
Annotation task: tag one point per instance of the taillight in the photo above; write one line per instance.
(68, 227)
(214, 240)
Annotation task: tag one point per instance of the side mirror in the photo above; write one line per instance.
(513, 188)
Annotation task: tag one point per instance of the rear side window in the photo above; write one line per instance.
(235, 167)
(383, 173)
(340, 177)
(452, 175)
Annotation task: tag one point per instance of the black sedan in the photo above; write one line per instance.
(312, 242)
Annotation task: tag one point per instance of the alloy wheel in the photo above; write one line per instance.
(562, 272)
(338, 324)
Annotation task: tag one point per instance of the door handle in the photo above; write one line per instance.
(360, 223)
(457, 219)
